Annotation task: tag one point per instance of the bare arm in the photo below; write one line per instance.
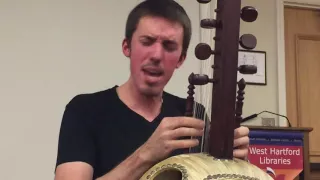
(74, 171)
(130, 169)
(158, 147)
(162, 142)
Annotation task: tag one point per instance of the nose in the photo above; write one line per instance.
(157, 52)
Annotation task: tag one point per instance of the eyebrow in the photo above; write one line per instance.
(146, 37)
(154, 38)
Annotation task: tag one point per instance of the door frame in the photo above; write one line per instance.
(280, 5)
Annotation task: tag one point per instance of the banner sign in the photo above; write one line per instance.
(279, 153)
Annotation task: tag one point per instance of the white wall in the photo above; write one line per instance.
(269, 23)
(259, 98)
(52, 50)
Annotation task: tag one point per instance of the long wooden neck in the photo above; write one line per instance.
(226, 109)
(225, 74)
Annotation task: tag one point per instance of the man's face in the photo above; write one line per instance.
(155, 52)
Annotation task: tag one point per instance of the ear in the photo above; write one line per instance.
(182, 59)
(126, 47)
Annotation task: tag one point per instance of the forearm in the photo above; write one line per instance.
(130, 169)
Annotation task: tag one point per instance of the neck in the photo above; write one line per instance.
(146, 106)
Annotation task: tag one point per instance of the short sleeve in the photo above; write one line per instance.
(76, 141)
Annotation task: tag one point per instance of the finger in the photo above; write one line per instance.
(243, 141)
(187, 122)
(184, 131)
(240, 153)
(241, 132)
(182, 144)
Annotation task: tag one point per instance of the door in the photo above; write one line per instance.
(302, 45)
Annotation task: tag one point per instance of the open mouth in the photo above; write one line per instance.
(152, 76)
(153, 73)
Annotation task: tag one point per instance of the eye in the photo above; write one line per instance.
(170, 45)
(147, 41)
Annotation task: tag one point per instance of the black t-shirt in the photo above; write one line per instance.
(99, 129)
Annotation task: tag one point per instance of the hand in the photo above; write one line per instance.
(241, 142)
(165, 139)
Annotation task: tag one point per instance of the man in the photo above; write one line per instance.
(123, 131)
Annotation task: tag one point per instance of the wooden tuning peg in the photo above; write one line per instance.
(210, 23)
(199, 79)
(247, 69)
(204, 1)
(248, 41)
(249, 14)
(203, 51)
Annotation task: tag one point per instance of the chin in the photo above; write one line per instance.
(150, 88)
(151, 91)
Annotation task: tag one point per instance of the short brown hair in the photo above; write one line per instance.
(168, 9)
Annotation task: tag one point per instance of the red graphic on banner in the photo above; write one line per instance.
(280, 162)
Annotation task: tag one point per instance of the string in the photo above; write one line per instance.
(203, 94)
(203, 100)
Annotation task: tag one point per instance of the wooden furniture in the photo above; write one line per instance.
(305, 174)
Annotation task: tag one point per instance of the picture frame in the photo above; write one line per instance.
(257, 58)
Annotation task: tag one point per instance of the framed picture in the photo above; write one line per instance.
(257, 58)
